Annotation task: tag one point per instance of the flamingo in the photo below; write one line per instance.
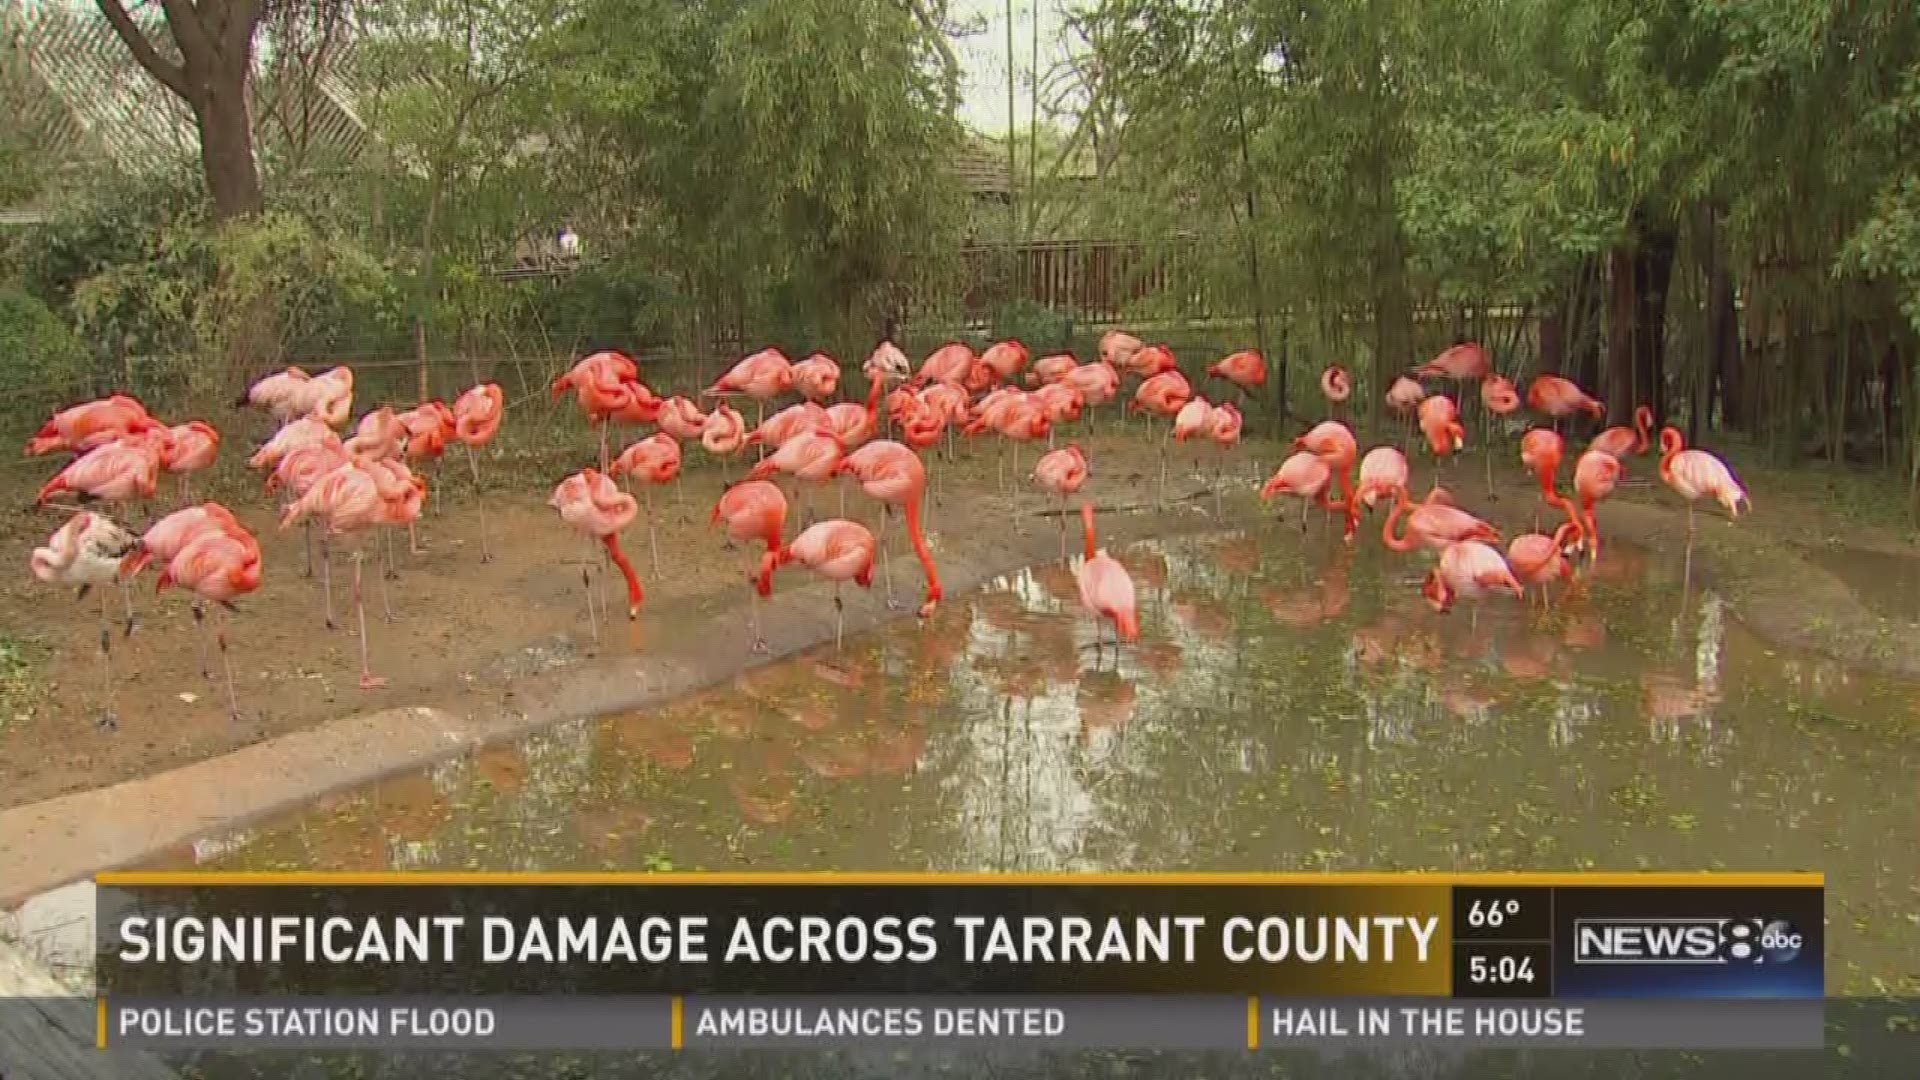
(1433, 523)
(886, 364)
(1308, 476)
(1471, 570)
(836, 549)
(724, 432)
(1594, 478)
(817, 377)
(1500, 399)
(220, 565)
(755, 510)
(1334, 443)
(1558, 398)
(1061, 472)
(1051, 369)
(476, 420)
(1245, 369)
(1194, 420)
(1696, 473)
(895, 475)
(949, 363)
(1337, 386)
(124, 470)
(93, 424)
(1537, 558)
(810, 457)
(654, 460)
(1440, 423)
(778, 429)
(1627, 441)
(1006, 358)
(1465, 362)
(681, 418)
(279, 393)
(1061, 403)
(327, 397)
(298, 471)
(170, 535)
(1541, 450)
(1163, 393)
(380, 436)
(1152, 360)
(88, 551)
(1117, 348)
(1106, 589)
(1098, 382)
(1382, 471)
(1224, 430)
(348, 500)
(855, 424)
(1404, 397)
(597, 509)
(605, 384)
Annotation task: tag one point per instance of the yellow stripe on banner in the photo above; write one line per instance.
(1253, 1023)
(100, 1028)
(679, 1023)
(137, 878)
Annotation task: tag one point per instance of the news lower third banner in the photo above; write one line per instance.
(517, 962)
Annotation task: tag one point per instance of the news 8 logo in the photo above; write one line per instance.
(1686, 941)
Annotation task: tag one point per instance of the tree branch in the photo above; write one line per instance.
(171, 75)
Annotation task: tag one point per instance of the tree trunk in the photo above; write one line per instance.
(1652, 274)
(1553, 336)
(226, 149)
(1723, 341)
(1616, 384)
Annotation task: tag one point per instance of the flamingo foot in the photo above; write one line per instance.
(108, 720)
(893, 604)
(760, 646)
(131, 624)
(370, 681)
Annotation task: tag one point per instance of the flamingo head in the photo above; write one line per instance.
(1438, 593)
(1671, 441)
(763, 580)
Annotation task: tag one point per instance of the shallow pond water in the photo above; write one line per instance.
(1292, 705)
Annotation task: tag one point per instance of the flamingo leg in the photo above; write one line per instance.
(586, 584)
(473, 464)
(326, 578)
(653, 534)
(126, 592)
(1687, 572)
(367, 679)
(386, 596)
(308, 527)
(604, 424)
(759, 641)
(109, 718)
(1013, 491)
(226, 663)
(839, 617)
(886, 555)
(1164, 442)
(413, 539)
(200, 635)
(1061, 521)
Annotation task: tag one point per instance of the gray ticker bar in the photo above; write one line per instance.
(1054, 1022)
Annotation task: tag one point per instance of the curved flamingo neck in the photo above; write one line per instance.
(1086, 518)
(634, 593)
(1642, 429)
(873, 400)
(1668, 454)
(1406, 541)
(1565, 505)
(925, 555)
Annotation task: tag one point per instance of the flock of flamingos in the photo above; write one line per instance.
(353, 486)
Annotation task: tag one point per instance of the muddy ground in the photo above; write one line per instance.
(464, 630)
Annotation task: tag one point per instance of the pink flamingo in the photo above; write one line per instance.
(755, 510)
(170, 536)
(1334, 442)
(125, 470)
(1403, 400)
(1051, 369)
(1061, 473)
(1627, 441)
(476, 420)
(220, 565)
(1693, 474)
(1559, 398)
(297, 472)
(1465, 362)
(810, 457)
(1433, 523)
(1471, 570)
(949, 363)
(1224, 428)
(1106, 589)
(817, 377)
(1336, 385)
(1595, 476)
(87, 551)
(597, 509)
(93, 424)
(895, 475)
(1537, 558)
(348, 500)
(654, 460)
(836, 549)
(1117, 348)
(1383, 470)
(724, 433)
(1306, 475)
(1163, 394)
(188, 449)
(1500, 399)
(1440, 423)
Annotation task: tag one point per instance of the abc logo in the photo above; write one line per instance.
(1760, 941)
